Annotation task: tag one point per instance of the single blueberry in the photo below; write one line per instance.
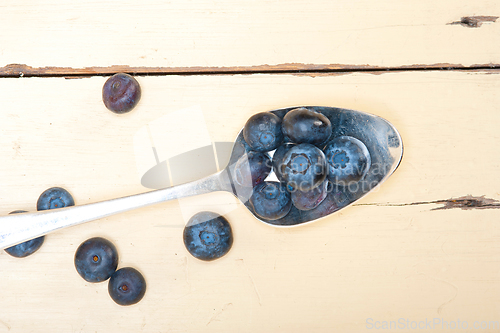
(208, 236)
(54, 197)
(121, 93)
(271, 200)
(26, 248)
(127, 286)
(303, 125)
(278, 158)
(251, 169)
(303, 167)
(96, 259)
(348, 160)
(310, 199)
(262, 132)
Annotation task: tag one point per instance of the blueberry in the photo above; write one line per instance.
(127, 286)
(96, 259)
(51, 198)
(121, 93)
(271, 200)
(262, 132)
(208, 236)
(306, 126)
(348, 160)
(54, 197)
(310, 199)
(26, 248)
(278, 158)
(252, 168)
(303, 167)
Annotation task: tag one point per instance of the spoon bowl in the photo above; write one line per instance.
(381, 139)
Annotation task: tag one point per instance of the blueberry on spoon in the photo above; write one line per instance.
(127, 286)
(307, 200)
(262, 132)
(303, 125)
(251, 169)
(348, 160)
(96, 259)
(271, 200)
(303, 167)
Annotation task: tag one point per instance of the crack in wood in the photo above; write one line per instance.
(474, 21)
(465, 203)
(21, 70)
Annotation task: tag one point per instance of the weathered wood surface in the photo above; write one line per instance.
(421, 250)
(392, 255)
(171, 36)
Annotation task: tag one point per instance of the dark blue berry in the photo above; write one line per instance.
(121, 93)
(54, 197)
(303, 167)
(348, 160)
(127, 286)
(251, 169)
(278, 158)
(271, 200)
(96, 259)
(26, 248)
(262, 132)
(310, 199)
(306, 126)
(208, 236)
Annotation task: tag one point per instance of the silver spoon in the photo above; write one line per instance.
(380, 137)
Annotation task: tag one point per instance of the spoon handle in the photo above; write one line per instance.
(17, 228)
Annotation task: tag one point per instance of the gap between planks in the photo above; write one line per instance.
(20, 70)
(467, 202)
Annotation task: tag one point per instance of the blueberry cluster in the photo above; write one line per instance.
(96, 260)
(52, 198)
(308, 161)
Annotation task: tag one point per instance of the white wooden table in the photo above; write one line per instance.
(422, 250)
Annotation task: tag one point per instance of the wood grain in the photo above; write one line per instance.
(226, 33)
(383, 259)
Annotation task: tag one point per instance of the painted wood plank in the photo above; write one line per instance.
(238, 34)
(369, 263)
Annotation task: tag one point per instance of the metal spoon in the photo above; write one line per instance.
(380, 137)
